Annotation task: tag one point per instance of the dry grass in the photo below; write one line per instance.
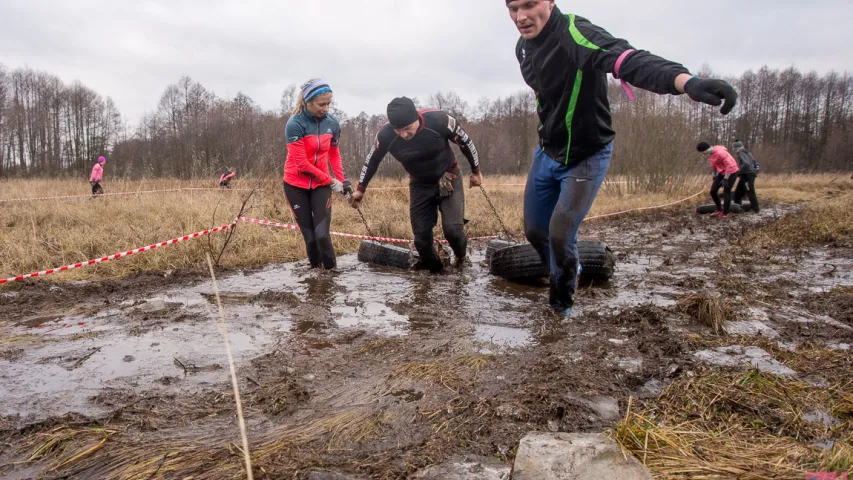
(740, 425)
(44, 234)
(709, 310)
(823, 221)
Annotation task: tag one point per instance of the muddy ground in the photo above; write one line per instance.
(379, 373)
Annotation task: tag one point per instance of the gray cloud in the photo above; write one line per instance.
(372, 50)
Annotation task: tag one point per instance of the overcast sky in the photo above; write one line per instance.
(373, 50)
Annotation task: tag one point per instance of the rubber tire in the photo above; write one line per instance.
(521, 261)
(495, 245)
(735, 208)
(517, 262)
(596, 259)
(377, 253)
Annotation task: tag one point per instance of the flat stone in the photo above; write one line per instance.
(467, 468)
(744, 357)
(616, 341)
(564, 456)
(751, 328)
(605, 407)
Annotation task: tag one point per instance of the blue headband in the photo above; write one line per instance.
(313, 88)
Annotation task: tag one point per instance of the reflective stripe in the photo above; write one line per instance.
(578, 36)
(570, 113)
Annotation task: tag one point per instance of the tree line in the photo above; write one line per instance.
(793, 122)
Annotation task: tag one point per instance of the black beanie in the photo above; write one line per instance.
(702, 147)
(402, 112)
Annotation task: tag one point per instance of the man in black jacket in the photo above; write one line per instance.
(565, 59)
(419, 139)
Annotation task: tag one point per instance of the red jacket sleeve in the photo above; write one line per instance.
(297, 157)
(337, 163)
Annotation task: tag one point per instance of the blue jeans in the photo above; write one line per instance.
(556, 200)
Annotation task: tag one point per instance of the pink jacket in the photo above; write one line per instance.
(97, 173)
(722, 161)
(226, 176)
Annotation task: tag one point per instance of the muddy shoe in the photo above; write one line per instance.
(435, 266)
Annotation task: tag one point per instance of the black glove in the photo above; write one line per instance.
(347, 187)
(712, 92)
(727, 181)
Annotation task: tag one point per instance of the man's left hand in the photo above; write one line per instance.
(712, 92)
(476, 180)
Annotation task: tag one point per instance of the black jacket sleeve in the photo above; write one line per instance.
(454, 132)
(374, 158)
(640, 68)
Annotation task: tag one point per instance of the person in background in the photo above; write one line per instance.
(225, 178)
(746, 176)
(312, 136)
(420, 141)
(565, 59)
(96, 176)
(725, 171)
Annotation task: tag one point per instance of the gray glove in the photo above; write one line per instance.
(337, 186)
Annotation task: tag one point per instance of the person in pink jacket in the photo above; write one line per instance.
(725, 172)
(96, 176)
(225, 178)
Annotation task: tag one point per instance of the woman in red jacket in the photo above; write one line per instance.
(312, 136)
(725, 172)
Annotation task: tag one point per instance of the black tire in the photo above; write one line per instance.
(495, 245)
(517, 262)
(735, 208)
(522, 261)
(596, 259)
(377, 253)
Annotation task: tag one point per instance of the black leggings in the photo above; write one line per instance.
(97, 189)
(313, 211)
(720, 181)
(746, 186)
(425, 203)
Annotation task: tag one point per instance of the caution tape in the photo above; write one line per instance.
(289, 226)
(119, 255)
(65, 197)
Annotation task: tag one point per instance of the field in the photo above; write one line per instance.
(118, 370)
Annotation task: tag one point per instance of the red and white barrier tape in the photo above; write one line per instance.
(64, 197)
(119, 255)
(288, 226)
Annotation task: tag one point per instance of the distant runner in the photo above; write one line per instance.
(225, 178)
(725, 170)
(96, 177)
